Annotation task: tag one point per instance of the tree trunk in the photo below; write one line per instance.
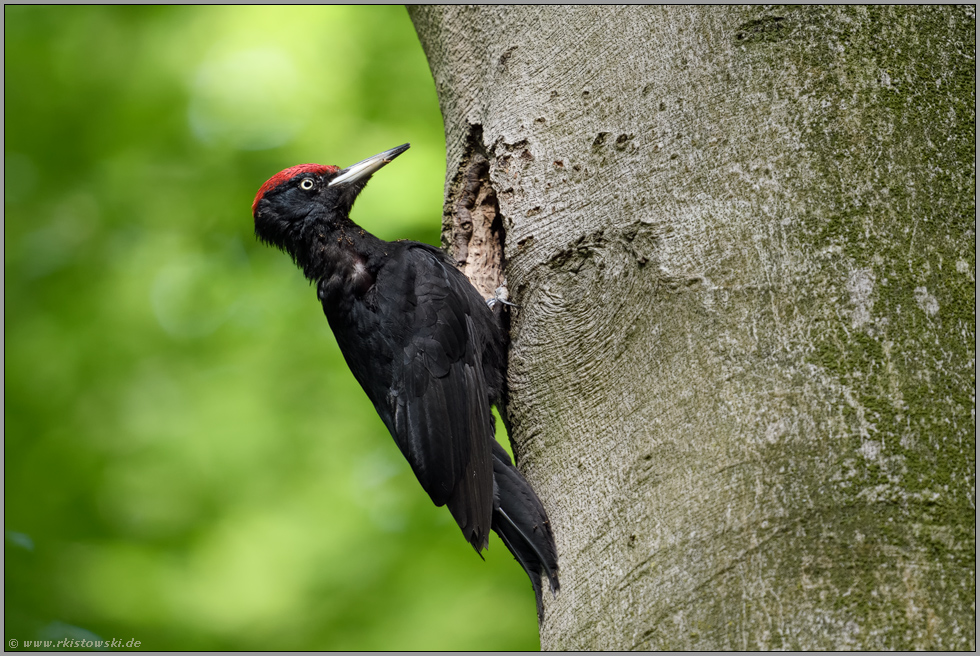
(742, 373)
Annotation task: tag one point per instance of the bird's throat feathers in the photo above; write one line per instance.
(339, 256)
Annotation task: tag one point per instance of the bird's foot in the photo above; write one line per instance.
(500, 296)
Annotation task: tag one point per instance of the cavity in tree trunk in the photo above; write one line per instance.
(742, 373)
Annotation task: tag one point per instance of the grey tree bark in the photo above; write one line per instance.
(742, 373)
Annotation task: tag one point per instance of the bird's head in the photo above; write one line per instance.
(297, 198)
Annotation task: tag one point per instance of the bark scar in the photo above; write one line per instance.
(472, 224)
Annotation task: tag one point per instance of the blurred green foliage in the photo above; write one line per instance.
(188, 461)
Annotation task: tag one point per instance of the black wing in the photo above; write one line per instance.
(436, 406)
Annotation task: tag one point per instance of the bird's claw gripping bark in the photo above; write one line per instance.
(500, 296)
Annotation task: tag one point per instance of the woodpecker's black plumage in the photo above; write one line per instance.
(422, 343)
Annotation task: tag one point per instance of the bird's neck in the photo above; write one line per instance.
(339, 249)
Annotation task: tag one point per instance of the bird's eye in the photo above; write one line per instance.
(306, 184)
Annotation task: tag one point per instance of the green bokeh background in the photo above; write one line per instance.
(188, 461)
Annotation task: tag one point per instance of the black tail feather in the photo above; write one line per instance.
(522, 523)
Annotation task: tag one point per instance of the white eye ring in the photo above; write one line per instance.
(306, 184)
